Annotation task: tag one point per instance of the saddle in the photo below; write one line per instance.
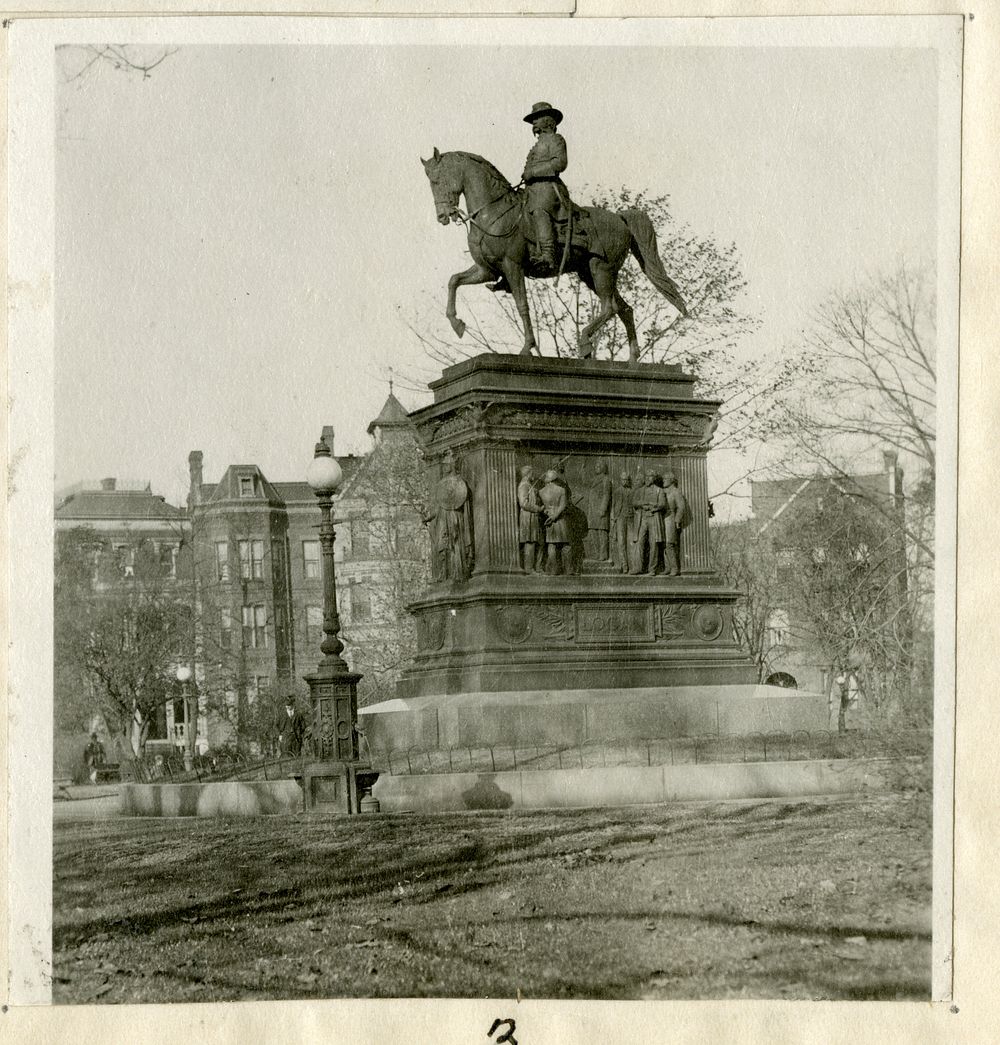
(570, 221)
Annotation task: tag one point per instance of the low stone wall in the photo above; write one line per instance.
(219, 798)
(627, 785)
(567, 718)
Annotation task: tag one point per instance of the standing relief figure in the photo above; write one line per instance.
(599, 512)
(554, 504)
(623, 522)
(675, 517)
(529, 527)
(450, 529)
(648, 544)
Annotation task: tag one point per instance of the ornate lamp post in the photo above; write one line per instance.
(333, 687)
(190, 722)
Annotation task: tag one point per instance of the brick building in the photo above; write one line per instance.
(259, 579)
(246, 551)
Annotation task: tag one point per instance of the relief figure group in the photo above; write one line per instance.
(547, 530)
(632, 527)
(635, 528)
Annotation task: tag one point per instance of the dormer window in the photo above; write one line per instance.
(247, 486)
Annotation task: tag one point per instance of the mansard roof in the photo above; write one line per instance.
(276, 493)
(228, 487)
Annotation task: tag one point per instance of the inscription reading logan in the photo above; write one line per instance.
(614, 622)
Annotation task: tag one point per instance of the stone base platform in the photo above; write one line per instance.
(629, 785)
(573, 717)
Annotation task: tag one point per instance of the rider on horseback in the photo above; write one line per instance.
(546, 192)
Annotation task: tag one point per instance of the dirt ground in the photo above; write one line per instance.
(811, 899)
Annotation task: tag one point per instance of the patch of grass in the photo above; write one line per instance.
(799, 900)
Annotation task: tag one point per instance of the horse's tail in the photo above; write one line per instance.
(643, 244)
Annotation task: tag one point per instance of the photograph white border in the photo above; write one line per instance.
(30, 429)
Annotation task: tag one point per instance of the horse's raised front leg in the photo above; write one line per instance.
(515, 277)
(601, 281)
(474, 274)
(627, 316)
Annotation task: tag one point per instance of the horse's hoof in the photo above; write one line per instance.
(458, 325)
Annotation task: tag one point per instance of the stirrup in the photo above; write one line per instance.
(545, 264)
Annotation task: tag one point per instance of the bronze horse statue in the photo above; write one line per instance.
(499, 241)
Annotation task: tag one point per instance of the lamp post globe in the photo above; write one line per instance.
(324, 474)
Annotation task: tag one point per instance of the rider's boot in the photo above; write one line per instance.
(547, 257)
(500, 287)
(544, 256)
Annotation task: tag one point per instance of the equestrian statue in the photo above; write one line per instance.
(512, 233)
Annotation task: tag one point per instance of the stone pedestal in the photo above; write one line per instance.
(505, 629)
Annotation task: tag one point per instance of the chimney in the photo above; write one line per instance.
(108, 485)
(327, 438)
(895, 473)
(194, 470)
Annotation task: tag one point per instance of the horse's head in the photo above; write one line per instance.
(446, 185)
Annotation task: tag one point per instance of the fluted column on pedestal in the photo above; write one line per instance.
(692, 480)
(494, 499)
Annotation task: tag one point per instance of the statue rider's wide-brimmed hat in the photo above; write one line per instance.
(540, 109)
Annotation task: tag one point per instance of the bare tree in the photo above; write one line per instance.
(120, 623)
(831, 573)
(750, 565)
(872, 386)
(849, 586)
(392, 487)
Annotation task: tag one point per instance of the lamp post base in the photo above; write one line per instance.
(333, 695)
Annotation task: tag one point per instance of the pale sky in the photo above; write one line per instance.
(241, 238)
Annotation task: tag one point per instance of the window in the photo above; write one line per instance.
(360, 538)
(251, 560)
(221, 561)
(785, 569)
(777, 628)
(314, 624)
(168, 560)
(247, 486)
(125, 559)
(361, 604)
(254, 627)
(310, 559)
(225, 629)
(261, 687)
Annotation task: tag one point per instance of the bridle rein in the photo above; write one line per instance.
(469, 219)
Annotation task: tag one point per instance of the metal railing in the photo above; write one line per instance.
(800, 745)
(170, 768)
